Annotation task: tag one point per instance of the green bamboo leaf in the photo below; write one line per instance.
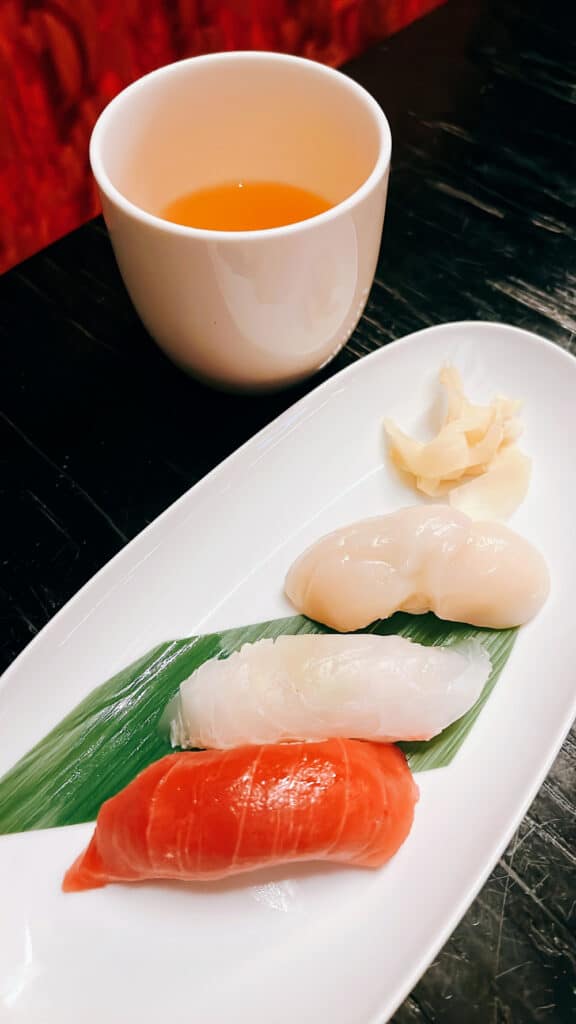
(114, 732)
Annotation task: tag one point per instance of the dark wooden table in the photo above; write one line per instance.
(99, 433)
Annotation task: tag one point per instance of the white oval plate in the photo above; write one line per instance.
(316, 943)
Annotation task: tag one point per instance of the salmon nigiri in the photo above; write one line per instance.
(204, 815)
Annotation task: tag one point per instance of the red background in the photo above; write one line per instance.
(61, 61)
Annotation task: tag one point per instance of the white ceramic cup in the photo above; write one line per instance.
(245, 309)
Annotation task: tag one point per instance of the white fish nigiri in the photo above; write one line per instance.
(419, 559)
(316, 687)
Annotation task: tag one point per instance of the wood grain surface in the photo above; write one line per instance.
(99, 433)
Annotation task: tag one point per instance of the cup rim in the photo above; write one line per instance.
(132, 209)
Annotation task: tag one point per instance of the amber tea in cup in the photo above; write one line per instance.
(245, 206)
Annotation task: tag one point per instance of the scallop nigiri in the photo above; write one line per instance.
(420, 559)
(206, 815)
(313, 687)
